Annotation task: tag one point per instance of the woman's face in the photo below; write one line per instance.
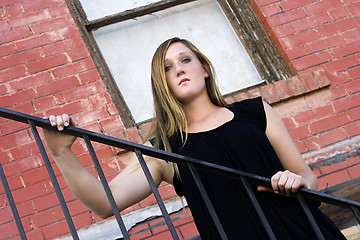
(185, 75)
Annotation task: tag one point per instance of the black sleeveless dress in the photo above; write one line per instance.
(242, 144)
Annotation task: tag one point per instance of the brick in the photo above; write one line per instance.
(79, 53)
(74, 68)
(335, 27)
(312, 60)
(55, 229)
(89, 76)
(282, 89)
(322, 6)
(5, 215)
(352, 87)
(12, 126)
(341, 64)
(68, 32)
(354, 73)
(12, 10)
(30, 6)
(288, 4)
(261, 3)
(83, 91)
(299, 133)
(82, 220)
(4, 89)
(296, 52)
(43, 218)
(100, 99)
(324, 139)
(321, 78)
(23, 151)
(347, 102)
(310, 82)
(354, 171)
(53, 24)
(14, 34)
(37, 41)
(35, 176)
(352, 129)
(286, 17)
(299, 38)
(352, 34)
(45, 202)
(25, 208)
(189, 230)
(325, 43)
(269, 94)
(7, 49)
(59, 10)
(47, 63)
(271, 9)
(296, 85)
(32, 192)
(72, 108)
(339, 13)
(354, 8)
(19, 58)
(4, 25)
(328, 123)
(14, 139)
(17, 97)
(8, 230)
(29, 18)
(12, 73)
(30, 81)
(310, 22)
(346, 49)
(77, 207)
(44, 103)
(62, 46)
(354, 114)
(57, 86)
(338, 92)
(333, 179)
(23, 165)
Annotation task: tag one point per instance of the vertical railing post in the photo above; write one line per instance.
(54, 181)
(258, 209)
(12, 204)
(156, 194)
(106, 188)
(356, 213)
(207, 201)
(309, 216)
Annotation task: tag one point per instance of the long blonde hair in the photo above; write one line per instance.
(169, 114)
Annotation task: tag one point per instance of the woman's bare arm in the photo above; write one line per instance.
(297, 173)
(128, 188)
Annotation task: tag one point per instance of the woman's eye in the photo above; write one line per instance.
(186, 60)
(167, 68)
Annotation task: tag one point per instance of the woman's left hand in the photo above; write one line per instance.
(284, 183)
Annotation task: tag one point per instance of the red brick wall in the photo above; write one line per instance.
(45, 68)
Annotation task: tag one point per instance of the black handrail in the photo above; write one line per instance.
(193, 164)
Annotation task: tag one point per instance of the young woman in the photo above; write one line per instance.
(193, 119)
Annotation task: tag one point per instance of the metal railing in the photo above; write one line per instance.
(140, 150)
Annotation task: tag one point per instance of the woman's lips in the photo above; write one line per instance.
(183, 80)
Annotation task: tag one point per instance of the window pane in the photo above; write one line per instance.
(128, 48)
(96, 9)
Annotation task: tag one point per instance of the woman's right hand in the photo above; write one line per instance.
(57, 142)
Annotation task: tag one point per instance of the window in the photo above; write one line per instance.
(128, 32)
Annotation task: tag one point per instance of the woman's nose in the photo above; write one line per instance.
(179, 70)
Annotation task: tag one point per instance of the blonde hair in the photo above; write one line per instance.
(170, 117)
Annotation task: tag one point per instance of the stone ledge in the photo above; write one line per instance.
(286, 89)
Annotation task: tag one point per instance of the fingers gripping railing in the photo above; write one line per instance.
(194, 164)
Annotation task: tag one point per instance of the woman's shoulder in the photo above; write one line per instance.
(251, 109)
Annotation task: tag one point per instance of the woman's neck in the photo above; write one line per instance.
(202, 115)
